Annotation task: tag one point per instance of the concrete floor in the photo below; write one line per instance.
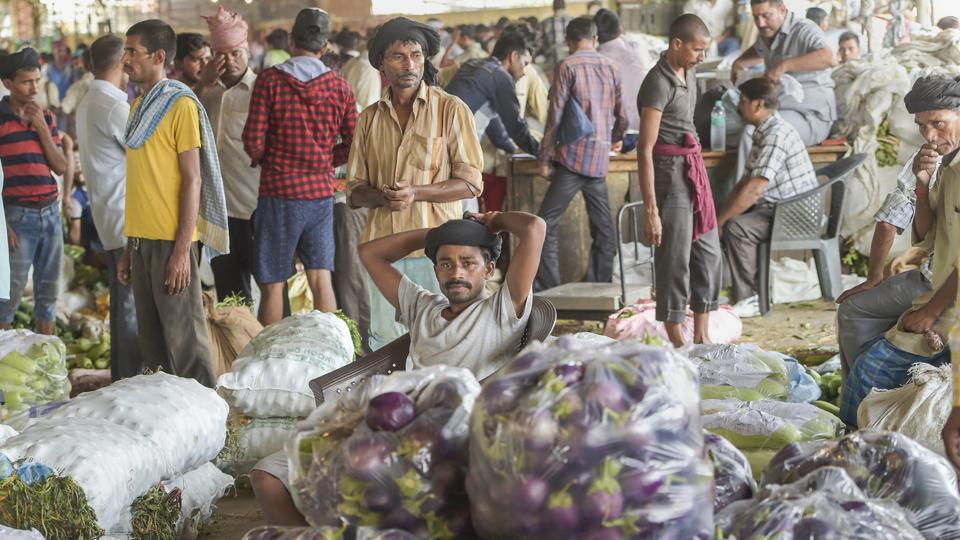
(796, 329)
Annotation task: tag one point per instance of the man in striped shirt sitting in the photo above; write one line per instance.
(30, 152)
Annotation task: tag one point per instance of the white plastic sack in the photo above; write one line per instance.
(184, 419)
(796, 281)
(16, 534)
(200, 490)
(266, 436)
(5, 433)
(918, 409)
(271, 376)
(113, 464)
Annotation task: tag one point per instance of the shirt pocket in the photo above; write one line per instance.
(235, 117)
(425, 154)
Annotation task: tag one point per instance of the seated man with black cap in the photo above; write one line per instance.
(465, 326)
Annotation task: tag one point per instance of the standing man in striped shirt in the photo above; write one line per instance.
(590, 82)
(30, 151)
(415, 157)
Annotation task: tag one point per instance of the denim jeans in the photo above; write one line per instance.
(40, 235)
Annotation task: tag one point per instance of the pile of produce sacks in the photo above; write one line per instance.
(119, 442)
(825, 504)
(390, 454)
(918, 409)
(269, 381)
(600, 442)
(884, 465)
(32, 370)
(732, 474)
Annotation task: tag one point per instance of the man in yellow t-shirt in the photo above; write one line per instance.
(162, 208)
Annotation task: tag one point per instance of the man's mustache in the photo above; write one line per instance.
(456, 283)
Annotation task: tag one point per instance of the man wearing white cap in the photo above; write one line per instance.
(224, 88)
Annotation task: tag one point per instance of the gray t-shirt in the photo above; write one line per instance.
(482, 338)
(797, 37)
(664, 91)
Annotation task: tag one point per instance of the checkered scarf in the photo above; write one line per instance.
(212, 224)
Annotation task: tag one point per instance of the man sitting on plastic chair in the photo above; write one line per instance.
(465, 326)
(920, 333)
(778, 168)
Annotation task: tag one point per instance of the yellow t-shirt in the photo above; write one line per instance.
(153, 173)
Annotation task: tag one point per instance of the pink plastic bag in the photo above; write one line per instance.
(639, 321)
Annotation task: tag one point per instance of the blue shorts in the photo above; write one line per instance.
(286, 228)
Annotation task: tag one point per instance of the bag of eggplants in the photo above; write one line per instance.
(389, 454)
(569, 441)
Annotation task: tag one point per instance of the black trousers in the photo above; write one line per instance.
(564, 185)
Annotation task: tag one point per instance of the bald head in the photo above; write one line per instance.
(687, 28)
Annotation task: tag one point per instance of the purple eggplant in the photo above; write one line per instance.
(447, 393)
(563, 517)
(381, 498)
(500, 395)
(530, 493)
(399, 518)
(367, 457)
(390, 411)
(601, 504)
(811, 528)
(607, 394)
(541, 431)
(569, 373)
(637, 485)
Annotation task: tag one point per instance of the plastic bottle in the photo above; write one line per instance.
(718, 128)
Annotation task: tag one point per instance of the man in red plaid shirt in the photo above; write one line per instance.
(297, 111)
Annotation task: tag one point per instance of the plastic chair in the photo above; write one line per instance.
(393, 356)
(798, 225)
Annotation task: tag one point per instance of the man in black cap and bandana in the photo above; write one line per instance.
(415, 157)
(31, 154)
(465, 326)
(920, 334)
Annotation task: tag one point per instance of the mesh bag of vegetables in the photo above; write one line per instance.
(733, 478)
(390, 454)
(271, 377)
(600, 442)
(33, 369)
(745, 372)
(884, 465)
(768, 424)
(271, 532)
(825, 505)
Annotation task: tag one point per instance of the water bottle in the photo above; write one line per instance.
(718, 128)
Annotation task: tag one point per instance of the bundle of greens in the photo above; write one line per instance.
(55, 506)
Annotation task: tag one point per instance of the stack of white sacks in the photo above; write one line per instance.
(269, 381)
(119, 442)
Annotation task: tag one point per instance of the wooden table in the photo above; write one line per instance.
(526, 188)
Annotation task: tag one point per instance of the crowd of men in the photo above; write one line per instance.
(361, 160)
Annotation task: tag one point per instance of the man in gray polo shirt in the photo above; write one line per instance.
(673, 179)
(788, 45)
(101, 121)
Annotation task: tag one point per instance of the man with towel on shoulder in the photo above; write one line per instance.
(677, 199)
(921, 333)
(174, 198)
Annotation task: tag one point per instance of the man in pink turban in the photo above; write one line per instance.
(225, 87)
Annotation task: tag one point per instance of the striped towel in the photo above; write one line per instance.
(212, 224)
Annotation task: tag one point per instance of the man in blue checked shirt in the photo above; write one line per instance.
(872, 307)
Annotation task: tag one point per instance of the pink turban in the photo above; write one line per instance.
(228, 31)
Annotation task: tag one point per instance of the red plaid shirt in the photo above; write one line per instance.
(292, 131)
